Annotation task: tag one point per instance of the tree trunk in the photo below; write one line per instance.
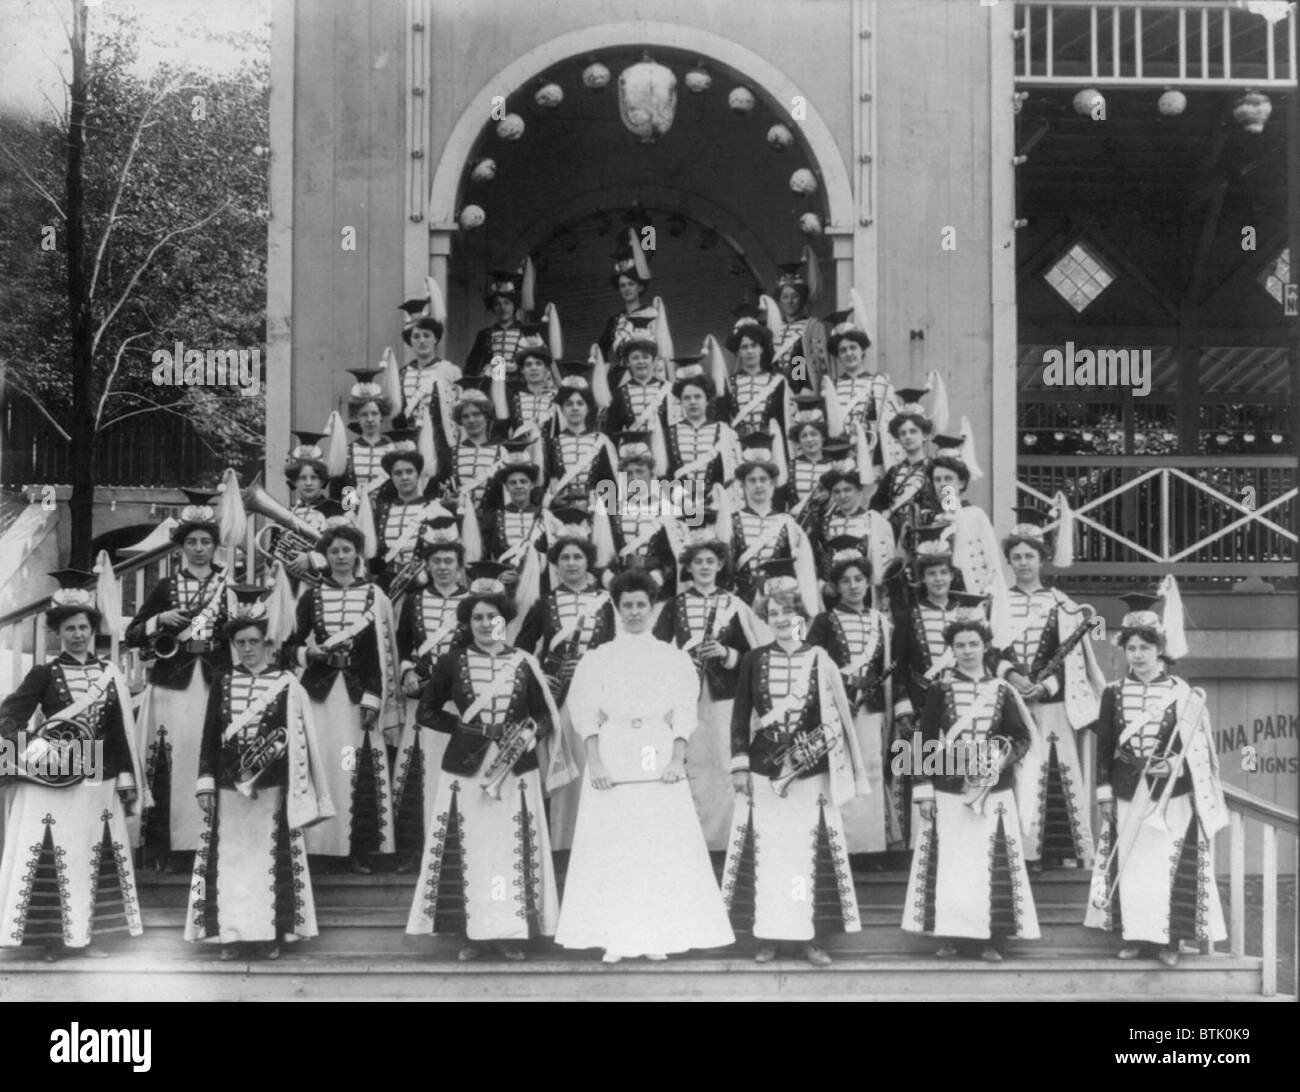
(83, 444)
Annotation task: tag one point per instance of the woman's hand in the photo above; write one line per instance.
(904, 726)
(173, 619)
(317, 655)
(599, 775)
(1158, 767)
(207, 802)
(742, 782)
(1036, 692)
(369, 718)
(711, 650)
(1107, 809)
(675, 771)
(411, 683)
(926, 808)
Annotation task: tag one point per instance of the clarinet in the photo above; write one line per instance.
(705, 667)
(1067, 646)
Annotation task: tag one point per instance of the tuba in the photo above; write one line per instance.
(280, 543)
(513, 746)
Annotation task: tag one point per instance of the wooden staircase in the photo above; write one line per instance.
(363, 953)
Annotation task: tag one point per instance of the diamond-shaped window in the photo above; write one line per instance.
(1079, 276)
(1274, 276)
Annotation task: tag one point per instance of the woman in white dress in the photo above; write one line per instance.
(640, 881)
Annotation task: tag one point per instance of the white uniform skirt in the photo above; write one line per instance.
(172, 722)
(66, 874)
(415, 781)
(708, 762)
(231, 900)
(867, 819)
(1167, 890)
(487, 871)
(564, 801)
(639, 879)
(1050, 792)
(787, 875)
(968, 873)
(356, 771)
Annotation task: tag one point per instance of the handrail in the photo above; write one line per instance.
(120, 569)
(1147, 462)
(1256, 807)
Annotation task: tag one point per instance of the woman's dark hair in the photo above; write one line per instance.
(455, 546)
(950, 462)
(718, 550)
(236, 626)
(1150, 634)
(920, 420)
(1012, 541)
(56, 616)
(633, 580)
(952, 629)
(698, 381)
(344, 531)
(924, 562)
(585, 545)
(504, 605)
(839, 568)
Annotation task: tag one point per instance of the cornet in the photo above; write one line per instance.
(284, 542)
(992, 753)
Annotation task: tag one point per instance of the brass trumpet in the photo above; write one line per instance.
(991, 757)
(513, 745)
(803, 753)
(259, 758)
(284, 542)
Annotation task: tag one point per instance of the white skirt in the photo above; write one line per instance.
(787, 875)
(487, 871)
(415, 781)
(639, 879)
(172, 729)
(66, 874)
(968, 874)
(1050, 793)
(866, 818)
(1167, 890)
(708, 763)
(356, 771)
(230, 899)
(564, 802)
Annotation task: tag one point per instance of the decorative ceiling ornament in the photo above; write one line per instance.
(741, 100)
(484, 170)
(510, 127)
(1171, 103)
(1251, 111)
(595, 77)
(803, 182)
(471, 217)
(647, 99)
(779, 137)
(698, 80)
(549, 96)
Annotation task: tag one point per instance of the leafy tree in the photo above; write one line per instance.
(155, 187)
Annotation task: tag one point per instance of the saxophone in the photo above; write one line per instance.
(514, 744)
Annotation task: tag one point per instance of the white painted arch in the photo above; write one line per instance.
(650, 34)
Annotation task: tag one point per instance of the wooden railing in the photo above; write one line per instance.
(1245, 806)
(1136, 43)
(1221, 517)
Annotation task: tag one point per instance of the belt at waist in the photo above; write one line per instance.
(196, 648)
(476, 728)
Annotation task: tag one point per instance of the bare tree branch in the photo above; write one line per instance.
(135, 277)
(120, 189)
(35, 400)
(32, 182)
(108, 383)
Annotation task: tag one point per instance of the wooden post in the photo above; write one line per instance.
(1237, 883)
(1269, 984)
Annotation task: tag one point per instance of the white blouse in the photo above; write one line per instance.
(634, 682)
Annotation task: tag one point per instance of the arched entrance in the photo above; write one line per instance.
(718, 197)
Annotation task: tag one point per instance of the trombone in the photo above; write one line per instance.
(1143, 811)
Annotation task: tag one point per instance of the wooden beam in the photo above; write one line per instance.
(1051, 330)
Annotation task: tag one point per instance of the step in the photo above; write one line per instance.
(198, 975)
(376, 930)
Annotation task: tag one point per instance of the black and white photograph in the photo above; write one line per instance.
(687, 500)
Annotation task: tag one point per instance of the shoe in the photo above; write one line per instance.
(611, 957)
(991, 955)
(656, 957)
(765, 954)
(52, 953)
(1130, 951)
(467, 954)
(948, 951)
(407, 865)
(816, 956)
(91, 952)
(358, 867)
(272, 952)
(1035, 867)
(1168, 956)
(512, 952)
(228, 953)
